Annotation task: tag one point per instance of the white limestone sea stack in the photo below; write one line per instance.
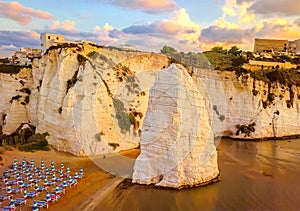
(177, 144)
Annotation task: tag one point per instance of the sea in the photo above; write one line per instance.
(253, 176)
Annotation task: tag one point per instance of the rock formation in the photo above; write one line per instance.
(177, 143)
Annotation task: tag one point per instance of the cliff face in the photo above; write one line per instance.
(177, 143)
(15, 96)
(243, 107)
(93, 100)
(90, 99)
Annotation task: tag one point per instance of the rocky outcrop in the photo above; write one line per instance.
(177, 143)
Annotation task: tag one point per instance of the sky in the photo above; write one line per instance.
(198, 25)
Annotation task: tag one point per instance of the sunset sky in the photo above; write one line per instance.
(201, 24)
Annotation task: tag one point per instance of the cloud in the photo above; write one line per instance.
(66, 25)
(20, 14)
(297, 22)
(13, 40)
(7, 47)
(214, 34)
(278, 7)
(148, 6)
(179, 25)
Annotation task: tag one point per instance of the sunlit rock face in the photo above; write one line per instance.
(92, 100)
(177, 145)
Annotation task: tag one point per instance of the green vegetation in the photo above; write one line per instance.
(81, 59)
(36, 142)
(121, 115)
(283, 77)
(222, 59)
(245, 129)
(10, 69)
(91, 54)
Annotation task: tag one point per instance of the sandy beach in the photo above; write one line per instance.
(95, 185)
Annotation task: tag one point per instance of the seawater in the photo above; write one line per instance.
(254, 176)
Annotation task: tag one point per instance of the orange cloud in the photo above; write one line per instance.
(20, 14)
(148, 6)
(66, 25)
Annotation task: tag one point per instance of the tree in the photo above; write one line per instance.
(234, 51)
(168, 49)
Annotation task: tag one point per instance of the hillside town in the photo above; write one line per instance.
(267, 54)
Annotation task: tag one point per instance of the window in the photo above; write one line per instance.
(57, 38)
(48, 37)
(42, 44)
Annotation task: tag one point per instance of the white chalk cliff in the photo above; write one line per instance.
(177, 143)
(96, 103)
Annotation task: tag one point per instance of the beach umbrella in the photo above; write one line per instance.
(48, 198)
(8, 191)
(52, 163)
(32, 162)
(81, 171)
(36, 187)
(21, 184)
(54, 177)
(5, 173)
(65, 183)
(6, 181)
(15, 160)
(76, 175)
(45, 181)
(68, 170)
(18, 177)
(47, 171)
(27, 171)
(15, 165)
(62, 166)
(52, 169)
(25, 194)
(12, 205)
(30, 179)
(61, 174)
(35, 206)
(42, 164)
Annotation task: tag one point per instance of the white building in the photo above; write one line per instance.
(48, 40)
(294, 46)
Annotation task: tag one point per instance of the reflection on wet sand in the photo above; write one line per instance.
(254, 176)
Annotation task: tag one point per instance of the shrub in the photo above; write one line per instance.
(81, 59)
(114, 145)
(36, 142)
(245, 129)
(9, 69)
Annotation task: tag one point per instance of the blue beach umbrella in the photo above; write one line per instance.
(12, 205)
(25, 194)
(35, 206)
(47, 171)
(48, 198)
(81, 171)
(42, 164)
